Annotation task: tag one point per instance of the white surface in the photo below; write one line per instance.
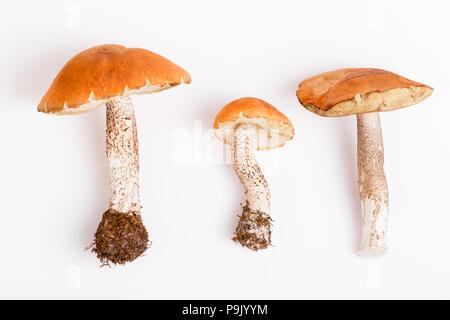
(53, 169)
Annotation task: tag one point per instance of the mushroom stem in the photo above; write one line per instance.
(121, 236)
(253, 230)
(373, 188)
(123, 155)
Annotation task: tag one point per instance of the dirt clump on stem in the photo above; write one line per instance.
(254, 229)
(120, 238)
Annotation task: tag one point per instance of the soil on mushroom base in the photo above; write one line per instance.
(253, 230)
(120, 237)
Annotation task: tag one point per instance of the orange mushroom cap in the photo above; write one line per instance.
(359, 90)
(263, 115)
(97, 74)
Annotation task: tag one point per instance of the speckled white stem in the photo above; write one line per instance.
(248, 170)
(373, 188)
(123, 155)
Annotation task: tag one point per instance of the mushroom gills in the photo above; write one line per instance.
(254, 227)
(373, 187)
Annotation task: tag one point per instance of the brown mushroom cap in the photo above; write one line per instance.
(359, 90)
(97, 74)
(277, 126)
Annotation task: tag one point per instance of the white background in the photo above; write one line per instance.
(53, 186)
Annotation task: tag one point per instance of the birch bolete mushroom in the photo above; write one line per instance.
(110, 74)
(250, 124)
(365, 92)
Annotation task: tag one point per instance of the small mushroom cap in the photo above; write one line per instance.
(97, 74)
(359, 90)
(274, 128)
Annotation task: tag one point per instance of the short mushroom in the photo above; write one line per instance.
(249, 124)
(110, 74)
(365, 92)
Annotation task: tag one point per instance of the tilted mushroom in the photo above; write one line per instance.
(365, 92)
(249, 124)
(110, 74)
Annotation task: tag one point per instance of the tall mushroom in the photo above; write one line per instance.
(250, 124)
(110, 74)
(365, 92)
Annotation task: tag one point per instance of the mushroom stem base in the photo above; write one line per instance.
(253, 230)
(120, 237)
(373, 188)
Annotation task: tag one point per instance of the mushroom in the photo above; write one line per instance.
(250, 124)
(110, 74)
(365, 92)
